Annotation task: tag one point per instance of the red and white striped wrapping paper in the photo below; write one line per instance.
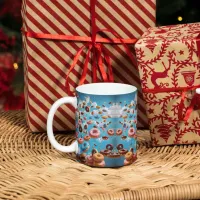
(46, 62)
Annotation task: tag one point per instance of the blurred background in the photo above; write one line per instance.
(11, 65)
(177, 11)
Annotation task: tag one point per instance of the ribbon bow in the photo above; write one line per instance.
(196, 98)
(94, 46)
(194, 102)
(98, 51)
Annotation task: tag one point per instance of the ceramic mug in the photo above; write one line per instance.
(106, 118)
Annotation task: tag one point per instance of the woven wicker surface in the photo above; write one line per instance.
(31, 169)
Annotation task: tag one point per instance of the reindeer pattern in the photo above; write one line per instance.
(159, 75)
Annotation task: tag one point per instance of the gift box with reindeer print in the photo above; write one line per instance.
(168, 61)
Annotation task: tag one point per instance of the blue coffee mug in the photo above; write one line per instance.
(106, 119)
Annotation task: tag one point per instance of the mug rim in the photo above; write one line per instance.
(111, 89)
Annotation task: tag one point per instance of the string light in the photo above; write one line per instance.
(180, 19)
(16, 66)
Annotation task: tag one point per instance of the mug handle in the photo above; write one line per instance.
(67, 149)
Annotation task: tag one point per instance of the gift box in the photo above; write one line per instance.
(57, 36)
(168, 61)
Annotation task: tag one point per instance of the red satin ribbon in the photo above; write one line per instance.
(77, 38)
(198, 44)
(172, 89)
(183, 98)
(191, 107)
(95, 47)
(97, 51)
(194, 100)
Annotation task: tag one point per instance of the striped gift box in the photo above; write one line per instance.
(47, 61)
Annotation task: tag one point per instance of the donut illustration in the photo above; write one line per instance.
(98, 157)
(109, 147)
(90, 160)
(124, 137)
(87, 138)
(80, 129)
(104, 117)
(129, 156)
(123, 151)
(119, 131)
(105, 152)
(98, 160)
(125, 117)
(131, 133)
(105, 138)
(94, 133)
(87, 109)
(111, 132)
(120, 146)
(89, 122)
(85, 126)
(80, 140)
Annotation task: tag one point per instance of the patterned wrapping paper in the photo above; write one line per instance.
(47, 61)
(168, 59)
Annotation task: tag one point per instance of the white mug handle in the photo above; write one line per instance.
(67, 149)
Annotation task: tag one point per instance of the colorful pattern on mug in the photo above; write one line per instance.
(106, 129)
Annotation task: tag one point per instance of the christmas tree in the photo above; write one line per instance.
(11, 69)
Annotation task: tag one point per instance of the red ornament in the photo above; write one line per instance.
(164, 130)
(189, 77)
(151, 47)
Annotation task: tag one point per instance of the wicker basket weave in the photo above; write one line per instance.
(31, 169)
